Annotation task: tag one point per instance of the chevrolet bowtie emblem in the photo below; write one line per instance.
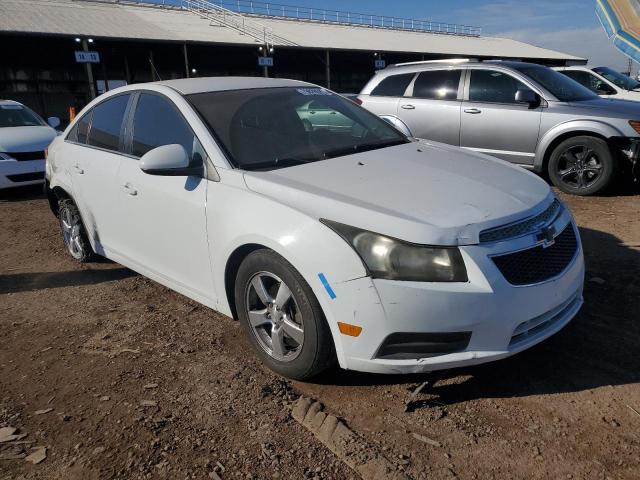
(546, 235)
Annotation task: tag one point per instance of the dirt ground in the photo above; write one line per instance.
(118, 377)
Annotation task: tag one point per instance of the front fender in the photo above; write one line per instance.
(237, 216)
(597, 127)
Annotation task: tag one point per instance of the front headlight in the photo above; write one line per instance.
(393, 259)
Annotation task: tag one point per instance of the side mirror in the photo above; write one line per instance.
(604, 89)
(54, 122)
(527, 96)
(168, 160)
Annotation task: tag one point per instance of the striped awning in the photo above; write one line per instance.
(621, 21)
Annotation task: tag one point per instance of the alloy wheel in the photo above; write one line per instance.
(71, 233)
(579, 167)
(274, 316)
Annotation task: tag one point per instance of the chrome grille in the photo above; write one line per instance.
(523, 227)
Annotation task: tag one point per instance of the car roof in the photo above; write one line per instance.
(188, 86)
(9, 102)
(435, 65)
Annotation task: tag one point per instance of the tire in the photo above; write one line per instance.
(74, 235)
(582, 165)
(289, 332)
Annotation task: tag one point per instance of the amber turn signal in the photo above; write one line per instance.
(635, 124)
(348, 329)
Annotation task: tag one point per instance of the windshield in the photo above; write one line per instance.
(617, 78)
(15, 115)
(560, 86)
(269, 128)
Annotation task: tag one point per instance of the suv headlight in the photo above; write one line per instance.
(394, 259)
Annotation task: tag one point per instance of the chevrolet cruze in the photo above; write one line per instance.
(329, 234)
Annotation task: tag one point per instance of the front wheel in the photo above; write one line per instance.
(282, 317)
(582, 165)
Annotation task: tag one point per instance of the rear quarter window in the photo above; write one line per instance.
(393, 86)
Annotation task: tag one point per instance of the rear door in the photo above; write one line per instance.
(493, 122)
(162, 218)
(93, 151)
(432, 108)
(383, 99)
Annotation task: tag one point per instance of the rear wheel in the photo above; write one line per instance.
(582, 165)
(282, 317)
(74, 234)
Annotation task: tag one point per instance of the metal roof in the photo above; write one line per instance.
(145, 22)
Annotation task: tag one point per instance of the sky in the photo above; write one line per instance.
(570, 26)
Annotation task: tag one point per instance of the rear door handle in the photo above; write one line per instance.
(408, 107)
(472, 110)
(78, 170)
(127, 187)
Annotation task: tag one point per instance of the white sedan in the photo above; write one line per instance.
(354, 245)
(24, 136)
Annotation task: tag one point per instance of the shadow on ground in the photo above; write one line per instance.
(28, 282)
(599, 347)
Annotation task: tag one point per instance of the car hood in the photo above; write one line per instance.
(611, 107)
(26, 139)
(421, 192)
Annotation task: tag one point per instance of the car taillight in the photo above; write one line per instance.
(357, 100)
(46, 153)
(635, 124)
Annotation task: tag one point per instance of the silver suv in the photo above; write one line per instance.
(527, 114)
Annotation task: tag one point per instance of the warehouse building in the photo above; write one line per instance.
(48, 46)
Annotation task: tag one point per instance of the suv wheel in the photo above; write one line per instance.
(282, 317)
(582, 165)
(74, 234)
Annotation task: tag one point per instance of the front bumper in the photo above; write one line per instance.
(15, 173)
(502, 319)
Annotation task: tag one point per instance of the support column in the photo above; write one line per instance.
(186, 59)
(265, 69)
(89, 69)
(327, 64)
(127, 72)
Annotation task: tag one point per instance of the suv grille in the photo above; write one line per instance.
(523, 227)
(538, 264)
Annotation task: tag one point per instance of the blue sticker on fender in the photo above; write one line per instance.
(327, 287)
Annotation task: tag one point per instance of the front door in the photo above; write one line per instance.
(493, 122)
(163, 223)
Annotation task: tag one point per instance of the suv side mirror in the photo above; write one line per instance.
(527, 96)
(168, 160)
(54, 122)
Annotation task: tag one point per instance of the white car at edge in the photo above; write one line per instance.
(23, 138)
(604, 81)
(344, 242)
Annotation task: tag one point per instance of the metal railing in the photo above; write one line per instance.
(243, 24)
(292, 12)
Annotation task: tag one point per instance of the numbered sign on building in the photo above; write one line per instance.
(87, 57)
(265, 61)
(380, 64)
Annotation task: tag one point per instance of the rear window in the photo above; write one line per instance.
(393, 86)
(107, 123)
(437, 84)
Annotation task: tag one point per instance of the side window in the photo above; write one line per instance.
(80, 130)
(393, 86)
(107, 123)
(437, 84)
(156, 123)
(493, 87)
(583, 78)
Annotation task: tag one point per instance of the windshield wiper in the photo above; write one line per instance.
(363, 147)
(278, 163)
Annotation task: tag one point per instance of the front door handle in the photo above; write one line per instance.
(78, 170)
(473, 111)
(408, 107)
(127, 187)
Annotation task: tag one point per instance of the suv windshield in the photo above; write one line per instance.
(560, 86)
(269, 128)
(15, 115)
(617, 78)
